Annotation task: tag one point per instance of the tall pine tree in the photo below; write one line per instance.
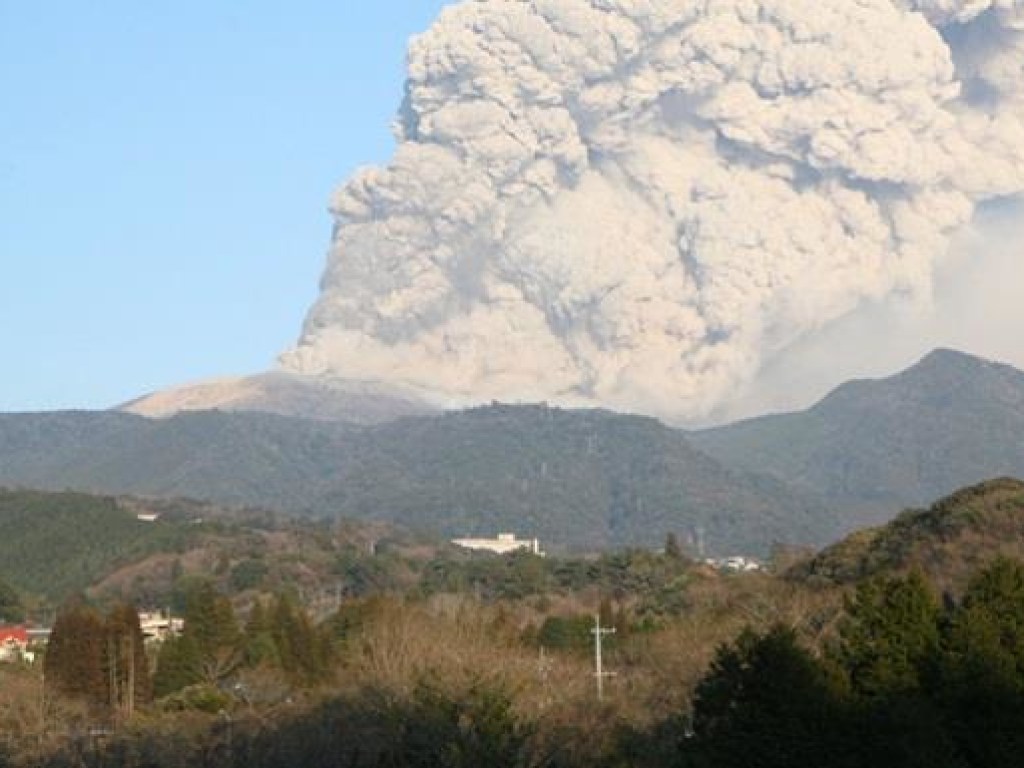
(211, 626)
(74, 663)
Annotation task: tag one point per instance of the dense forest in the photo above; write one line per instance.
(899, 646)
(579, 480)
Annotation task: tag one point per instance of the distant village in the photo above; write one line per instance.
(24, 643)
(506, 543)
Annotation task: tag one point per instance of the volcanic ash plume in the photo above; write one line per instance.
(632, 202)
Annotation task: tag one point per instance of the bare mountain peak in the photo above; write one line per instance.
(287, 394)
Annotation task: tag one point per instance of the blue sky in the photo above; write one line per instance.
(164, 176)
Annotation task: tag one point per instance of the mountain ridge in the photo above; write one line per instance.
(948, 421)
(577, 479)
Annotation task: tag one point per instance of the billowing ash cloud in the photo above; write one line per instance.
(634, 202)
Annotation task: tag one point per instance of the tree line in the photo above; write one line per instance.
(903, 677)
(101, 661)
(909, 680)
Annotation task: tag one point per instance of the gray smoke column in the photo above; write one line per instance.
(634, 203)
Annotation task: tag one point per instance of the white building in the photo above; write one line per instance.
(157, 626)
(739, 563)
(505, 543)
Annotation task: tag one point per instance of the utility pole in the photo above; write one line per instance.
(599, 674)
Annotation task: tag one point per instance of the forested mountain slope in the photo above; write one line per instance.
(576, 479)
(874, 446)
(948, 541)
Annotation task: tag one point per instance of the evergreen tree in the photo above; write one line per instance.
(178, 665)
(74, 661)
(211, 627)
(210, 647)
(260, 649)
(890, 634)
(301, 650)
(458, 729)
(11, 608)
(766, 703)
(983, 670)
(988, 629)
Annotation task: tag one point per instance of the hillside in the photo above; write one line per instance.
(233, 458)
(872, 446)
(587, 479)
(56, 543)
(576, 479)
(950, 540)
(425, 647)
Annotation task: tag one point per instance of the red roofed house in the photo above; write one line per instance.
(13, 642)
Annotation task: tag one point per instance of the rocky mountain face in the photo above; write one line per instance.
(949, 421)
